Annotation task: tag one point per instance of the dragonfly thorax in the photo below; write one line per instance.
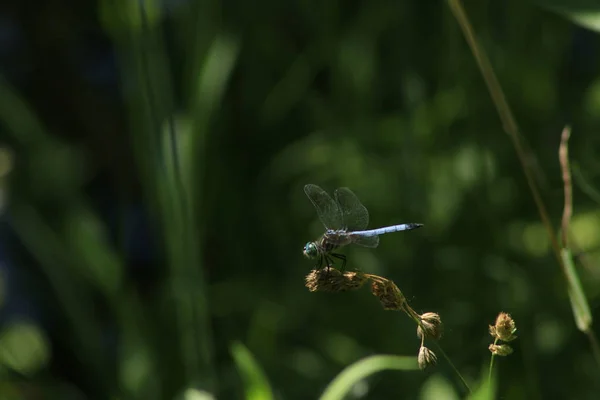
(334, 239)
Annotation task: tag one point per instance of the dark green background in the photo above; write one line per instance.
(138, 276)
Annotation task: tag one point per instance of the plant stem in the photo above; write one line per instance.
(492, 363)
(505, 114)
(510, 127)
(464, 382)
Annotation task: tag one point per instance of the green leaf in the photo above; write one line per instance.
(582, 12)
(343, 383)
(256, 383)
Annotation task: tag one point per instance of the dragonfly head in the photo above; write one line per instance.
(310, 250)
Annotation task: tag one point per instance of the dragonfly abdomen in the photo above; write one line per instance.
(388, 229)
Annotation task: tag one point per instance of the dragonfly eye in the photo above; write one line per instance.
(310, 250)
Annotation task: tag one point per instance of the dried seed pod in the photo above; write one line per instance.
(333, 280)
(430, 326)
(389, 295)
(426, 358)
(504, 328)
(500, 349)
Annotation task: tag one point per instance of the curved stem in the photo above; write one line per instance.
(464, 382)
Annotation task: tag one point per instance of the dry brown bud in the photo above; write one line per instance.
(389, 295)
(333, 280)
(500, 349)
(430, 326)
(426, 358)
(354, 280)
(504, 328)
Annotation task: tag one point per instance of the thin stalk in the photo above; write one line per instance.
(579, 303)
(505, 114)
(511, 128)
(412, 314)
(563, 157)
(464, 382)
(492, 363)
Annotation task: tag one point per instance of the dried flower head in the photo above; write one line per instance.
(504, 329)
(500, 349)
(333, 280)
(426, 358)
(430, 326)
(389, 295)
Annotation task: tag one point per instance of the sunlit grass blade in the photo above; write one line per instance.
(209, 83)
(256, 384)
(585, 13)
(179, 189)
(579, 303)
(345, 380)
(211, 79)
(137, 31)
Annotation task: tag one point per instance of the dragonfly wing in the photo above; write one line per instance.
(355, 216)
(366, 241)
(327, 209)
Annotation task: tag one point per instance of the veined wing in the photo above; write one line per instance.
(365, 241)
(327, 209)
(355, 216)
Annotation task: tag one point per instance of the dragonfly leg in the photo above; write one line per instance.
(328, 262)
(340, 257)
(319, 263)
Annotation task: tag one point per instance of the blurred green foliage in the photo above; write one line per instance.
(218, 114)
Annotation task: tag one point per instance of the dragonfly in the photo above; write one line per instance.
(345, 220)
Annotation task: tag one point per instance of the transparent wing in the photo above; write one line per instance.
(355, 216)
(366, 241)
(327, 209)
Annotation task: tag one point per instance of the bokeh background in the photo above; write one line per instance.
(153, 155)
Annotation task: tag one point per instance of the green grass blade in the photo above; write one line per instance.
(343, 383)
(256, 384)
(167, 173)
(209, 84)
(579, 303)
(585, 13)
